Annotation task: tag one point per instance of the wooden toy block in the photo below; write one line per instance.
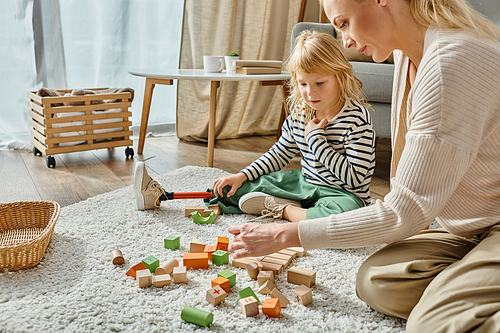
(223, 282)
(151, 263)
(285, 257)
(216, 295)
(266, 287)
(167, 267)
(144, 278)
(197, 218)
(222, 243)
(117, 257)
(300, 276)
(243, 262)
(268, 266)
(246, 292)
(252, 270)
(291, 253)
(271, 260)
(162, 280)
(132, 270)
(264, 276)
(210, 249)
(249, 306)
(195, 260)
(283, 300)
(228, 275)
(172, 242)
(197, 316)
(271, 307)
(298, 250)
(220, 258)
(196, 246)
(200, 209)
(216, 209)
(180, 274)
(302, 295)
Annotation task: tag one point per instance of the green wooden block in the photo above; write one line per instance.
(197, 218)
(197, 316)
(247, 292)
(172, 242)
(151, 263)
(220, 257)
(228, 275)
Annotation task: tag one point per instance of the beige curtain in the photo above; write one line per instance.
(255, 29)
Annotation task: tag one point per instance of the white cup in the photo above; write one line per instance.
(213, 64)
(229, 63)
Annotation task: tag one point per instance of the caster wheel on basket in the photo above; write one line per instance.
(36, 152)
(51, 162)
(129, 152)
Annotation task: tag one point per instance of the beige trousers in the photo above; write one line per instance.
(438, 281)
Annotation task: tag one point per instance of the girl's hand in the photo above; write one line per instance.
(252, 240)
(234, 181)
(314, 124)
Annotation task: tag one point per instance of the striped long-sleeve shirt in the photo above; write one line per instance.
(342, 155)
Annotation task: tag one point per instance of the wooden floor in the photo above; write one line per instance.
(80, 175)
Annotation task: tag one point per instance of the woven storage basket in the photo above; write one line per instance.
(26, 229)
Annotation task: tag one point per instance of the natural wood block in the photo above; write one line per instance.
(167, 267)
(268, 266)
(283, 300)
(162, 280)
(271, 307)
(180, 274)
(216, 209)
(196, 246)
(195, 260)
(301, 276)
(223, 282)
(210, 249)
(188, 210)
(144, 278)
(216, 295)
(302, 295)
(298, 250)
(242, 262)
(285, 257)
(222, 243)
(291, 253)
(264, 276)
(117, 257)
(252, 270)
(132, 270)
(249, 306)
(281, 262)
(266, 287)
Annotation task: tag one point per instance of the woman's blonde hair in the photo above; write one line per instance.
(320, 53)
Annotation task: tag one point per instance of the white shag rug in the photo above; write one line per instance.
(76, 288)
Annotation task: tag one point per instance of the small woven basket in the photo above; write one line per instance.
(26, 228)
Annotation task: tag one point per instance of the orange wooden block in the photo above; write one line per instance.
(223, 283)
(131, 272)
(195, 260)
(271, 307)
(210, 249)
(222, 243)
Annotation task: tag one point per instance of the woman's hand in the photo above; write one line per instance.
(314, 124)
(252, 240)
(234, 181)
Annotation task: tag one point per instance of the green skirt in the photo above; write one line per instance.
(320, 201)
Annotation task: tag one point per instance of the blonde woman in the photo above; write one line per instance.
(330, 125)
(445, 167)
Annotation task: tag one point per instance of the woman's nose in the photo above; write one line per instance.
(348, 41)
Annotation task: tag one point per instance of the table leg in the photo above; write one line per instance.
(211, 122)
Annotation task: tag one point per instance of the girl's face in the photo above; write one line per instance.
(364, 26)
(321, 92)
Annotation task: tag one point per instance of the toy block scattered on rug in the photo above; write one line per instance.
(283, 300)
(222, 243)
(301, 276)
(202, 210)
(228, 275)
(271, 307)
(144, 278)
(249, 306)
(210, 249)
(132, 270)
(117, 257)
(197, 316)
(220, 258)
(302, 295)
(252, 270)
(246, 292)
(151, 263)
(265, 276)
(266, 287)
(179, 274)
(195, 260)
(210, 219)
(162, 280)
(216, 295)
(291, 253)
(172, 242)
(196, 246)
(167, 267)
(271, 260)
(298, 250)
(223, 282)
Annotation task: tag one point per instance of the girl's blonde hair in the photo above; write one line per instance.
(320, 53)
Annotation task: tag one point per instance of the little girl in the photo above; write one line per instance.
(330, 125)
